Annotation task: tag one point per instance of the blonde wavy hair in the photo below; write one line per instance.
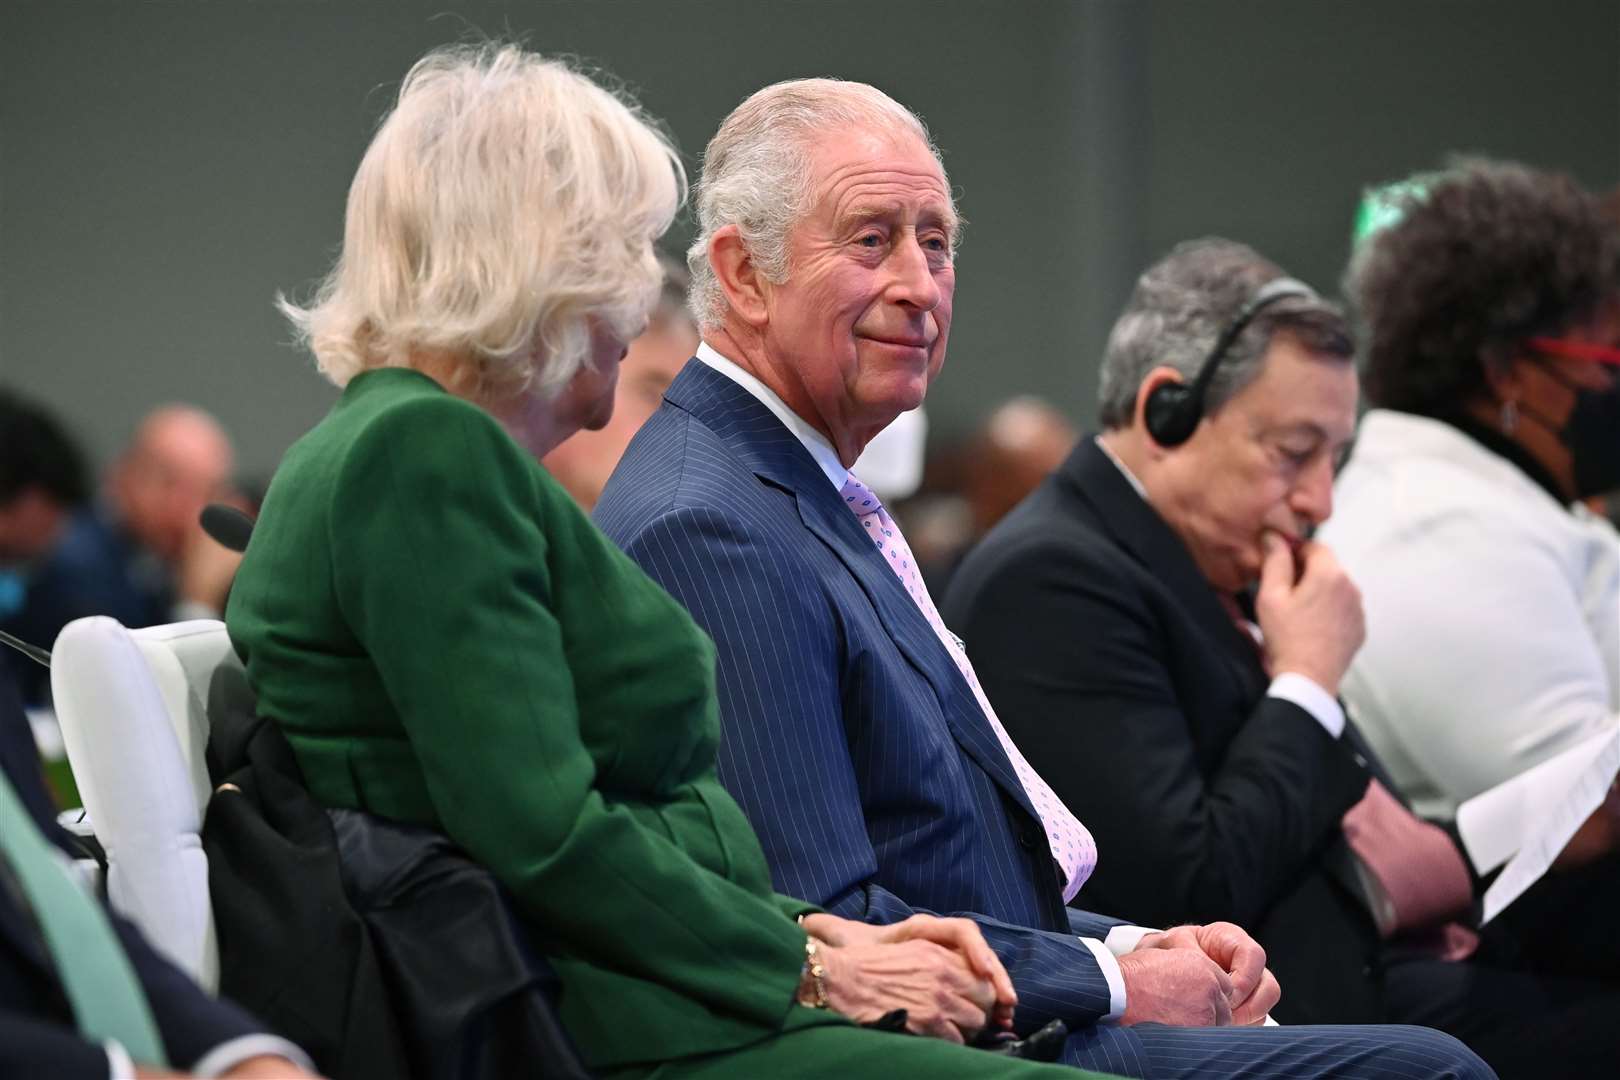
(505, 203)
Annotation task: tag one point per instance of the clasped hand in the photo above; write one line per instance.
(1198, 976)
(941, 971)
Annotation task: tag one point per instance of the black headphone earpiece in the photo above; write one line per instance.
(1173, 409)
(1172, 413)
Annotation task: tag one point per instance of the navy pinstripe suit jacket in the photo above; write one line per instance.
(854, 745)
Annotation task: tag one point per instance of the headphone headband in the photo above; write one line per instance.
(1174, 409)
(1276, 289)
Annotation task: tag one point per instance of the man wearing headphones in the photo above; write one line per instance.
(1164, 641)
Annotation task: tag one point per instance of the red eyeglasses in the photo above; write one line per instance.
(1576, 350)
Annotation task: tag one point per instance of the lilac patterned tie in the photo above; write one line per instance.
(1072, 846)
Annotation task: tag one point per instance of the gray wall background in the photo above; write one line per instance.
(165, 168)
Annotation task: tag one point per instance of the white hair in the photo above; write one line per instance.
(756, 172)
(504, 203)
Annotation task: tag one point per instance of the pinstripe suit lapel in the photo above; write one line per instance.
(825, 515)
(777, 457)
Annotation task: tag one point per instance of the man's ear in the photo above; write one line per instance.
(1160, 376)
(739, 277)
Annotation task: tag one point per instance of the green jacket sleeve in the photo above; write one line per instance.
(440, 565)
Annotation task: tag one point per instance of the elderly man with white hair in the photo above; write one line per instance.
(855, 734)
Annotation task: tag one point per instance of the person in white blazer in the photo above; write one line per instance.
(1490, 313)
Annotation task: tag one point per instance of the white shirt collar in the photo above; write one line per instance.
(813, 440)
(1120, 465)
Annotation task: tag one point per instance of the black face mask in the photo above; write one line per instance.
(1592, 433)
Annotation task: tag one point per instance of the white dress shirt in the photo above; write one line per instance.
(1493, 610)
(1121, 939)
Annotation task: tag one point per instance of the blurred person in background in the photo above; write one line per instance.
(1491, 308)
(44, 482)
(585, 460)
(138, 554)
(1021, 442)
(1492, 358)
(447, 641)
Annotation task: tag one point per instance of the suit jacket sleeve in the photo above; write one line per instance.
(785, 755)
(37, 1047)
(1067, 645)
(441, 565)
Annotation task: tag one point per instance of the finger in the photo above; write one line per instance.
(1223, 1012)
(1260, 1003)
(1277, 568)
(964, 936)
(1242, 956)
(967, 1016)
(937, 1023)
(987, 965)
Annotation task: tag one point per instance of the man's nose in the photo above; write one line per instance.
(913, 282)
(1312, 497)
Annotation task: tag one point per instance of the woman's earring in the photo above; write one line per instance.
(1510, 417)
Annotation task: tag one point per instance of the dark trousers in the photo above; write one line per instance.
(1542, 995)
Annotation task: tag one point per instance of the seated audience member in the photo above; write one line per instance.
(856, 739)
(583, 462)
(43, 481)
(1114, 609)
(139, 555)
(448, 642)
(1017, 447)
(82, 995)
(1492, 314)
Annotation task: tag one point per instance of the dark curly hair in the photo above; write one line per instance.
(1490, 254)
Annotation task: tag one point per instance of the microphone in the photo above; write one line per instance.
(227, 525)
(33, 652)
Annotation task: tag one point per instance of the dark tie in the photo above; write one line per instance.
(96, 976)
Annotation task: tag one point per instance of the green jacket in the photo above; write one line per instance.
(448, 641)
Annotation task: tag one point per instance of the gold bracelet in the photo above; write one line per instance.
(815, 974)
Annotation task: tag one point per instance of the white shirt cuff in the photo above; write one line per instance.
(1116, 978)
(119, 1065)
(1309, 695)
(228, 1055)
(1125, 939)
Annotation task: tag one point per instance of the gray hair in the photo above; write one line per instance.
(1180, 306)
(504, 203)
(756, 172)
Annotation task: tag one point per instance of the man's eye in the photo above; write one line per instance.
(870, 240)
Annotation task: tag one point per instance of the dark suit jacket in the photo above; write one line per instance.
(1129, 687)
(37, 1033)
(849, 737)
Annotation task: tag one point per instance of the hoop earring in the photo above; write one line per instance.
(1510, 417)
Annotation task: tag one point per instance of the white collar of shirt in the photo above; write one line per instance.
(813, 440)
(1120, 465)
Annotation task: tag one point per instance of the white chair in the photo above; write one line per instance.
(133, 709)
